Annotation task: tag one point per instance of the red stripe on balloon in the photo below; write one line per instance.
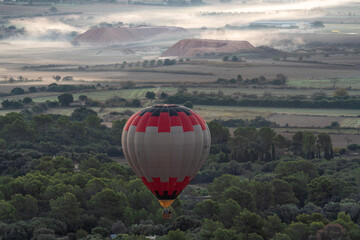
(164, 122)
(179, 186)
(194, 120)
(129, 121)
(149, 186)
(141, 124)
(200, 119)
(172, 183)
(170, 186)
(136, 120)
(152, 121)
(186, 122)
(175, 121)
(156, 184)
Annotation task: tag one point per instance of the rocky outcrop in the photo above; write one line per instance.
(206, 47)
(105, 36)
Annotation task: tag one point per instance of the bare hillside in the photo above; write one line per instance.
(200, 47)
(105, 36)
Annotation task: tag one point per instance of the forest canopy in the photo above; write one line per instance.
(59, 178)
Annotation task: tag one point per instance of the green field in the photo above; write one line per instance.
(226, 112)
(325, 83)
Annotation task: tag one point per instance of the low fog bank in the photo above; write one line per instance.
(219, 15)
(210, 16)
(286, 41)
(45, 29)
(44, 35)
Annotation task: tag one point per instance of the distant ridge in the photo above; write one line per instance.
(105, 36)
(195, 47)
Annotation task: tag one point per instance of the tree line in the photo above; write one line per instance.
(345, 102)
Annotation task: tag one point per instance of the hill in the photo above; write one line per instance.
(106, 36)
(202, 47)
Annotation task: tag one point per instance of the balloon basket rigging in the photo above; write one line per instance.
(166, 214)
(166, 204)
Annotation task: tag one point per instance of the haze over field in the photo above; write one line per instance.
(212, 16)
(54, 32)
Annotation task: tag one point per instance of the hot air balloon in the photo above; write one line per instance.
(166, 145)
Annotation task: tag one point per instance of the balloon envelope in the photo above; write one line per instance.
(166, 145)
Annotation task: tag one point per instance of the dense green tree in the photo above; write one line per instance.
(32, 89)
(80, 114)
(285, 169)
(150, 95)
(310, 218)
(42, 122)
(83, 98)
(325, 145)
(254, 236)
(26, 206)
(349, 206)
(185, 223)
(207, 209)
(308, 145)
(67, 209)
(272, 226)
(117, 128)
(217, 187)
(115, 202)
(44, 234)
(176, 235)
(226, 234)
(92, 121)
(208, 228)
(266, 135)
(163, 95)
(7, 211)
(297, 143)
(18, 130)
(263, 193)
(65, 99)
(219, 134)
(136, 103)
(298, 230)
(248, 222)
(2, 144)
(320, 190)
(283, 192)
(27, 100)
(17, 91)
(228, 211)
(242, 197)
(281, 236)
(287, 212)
